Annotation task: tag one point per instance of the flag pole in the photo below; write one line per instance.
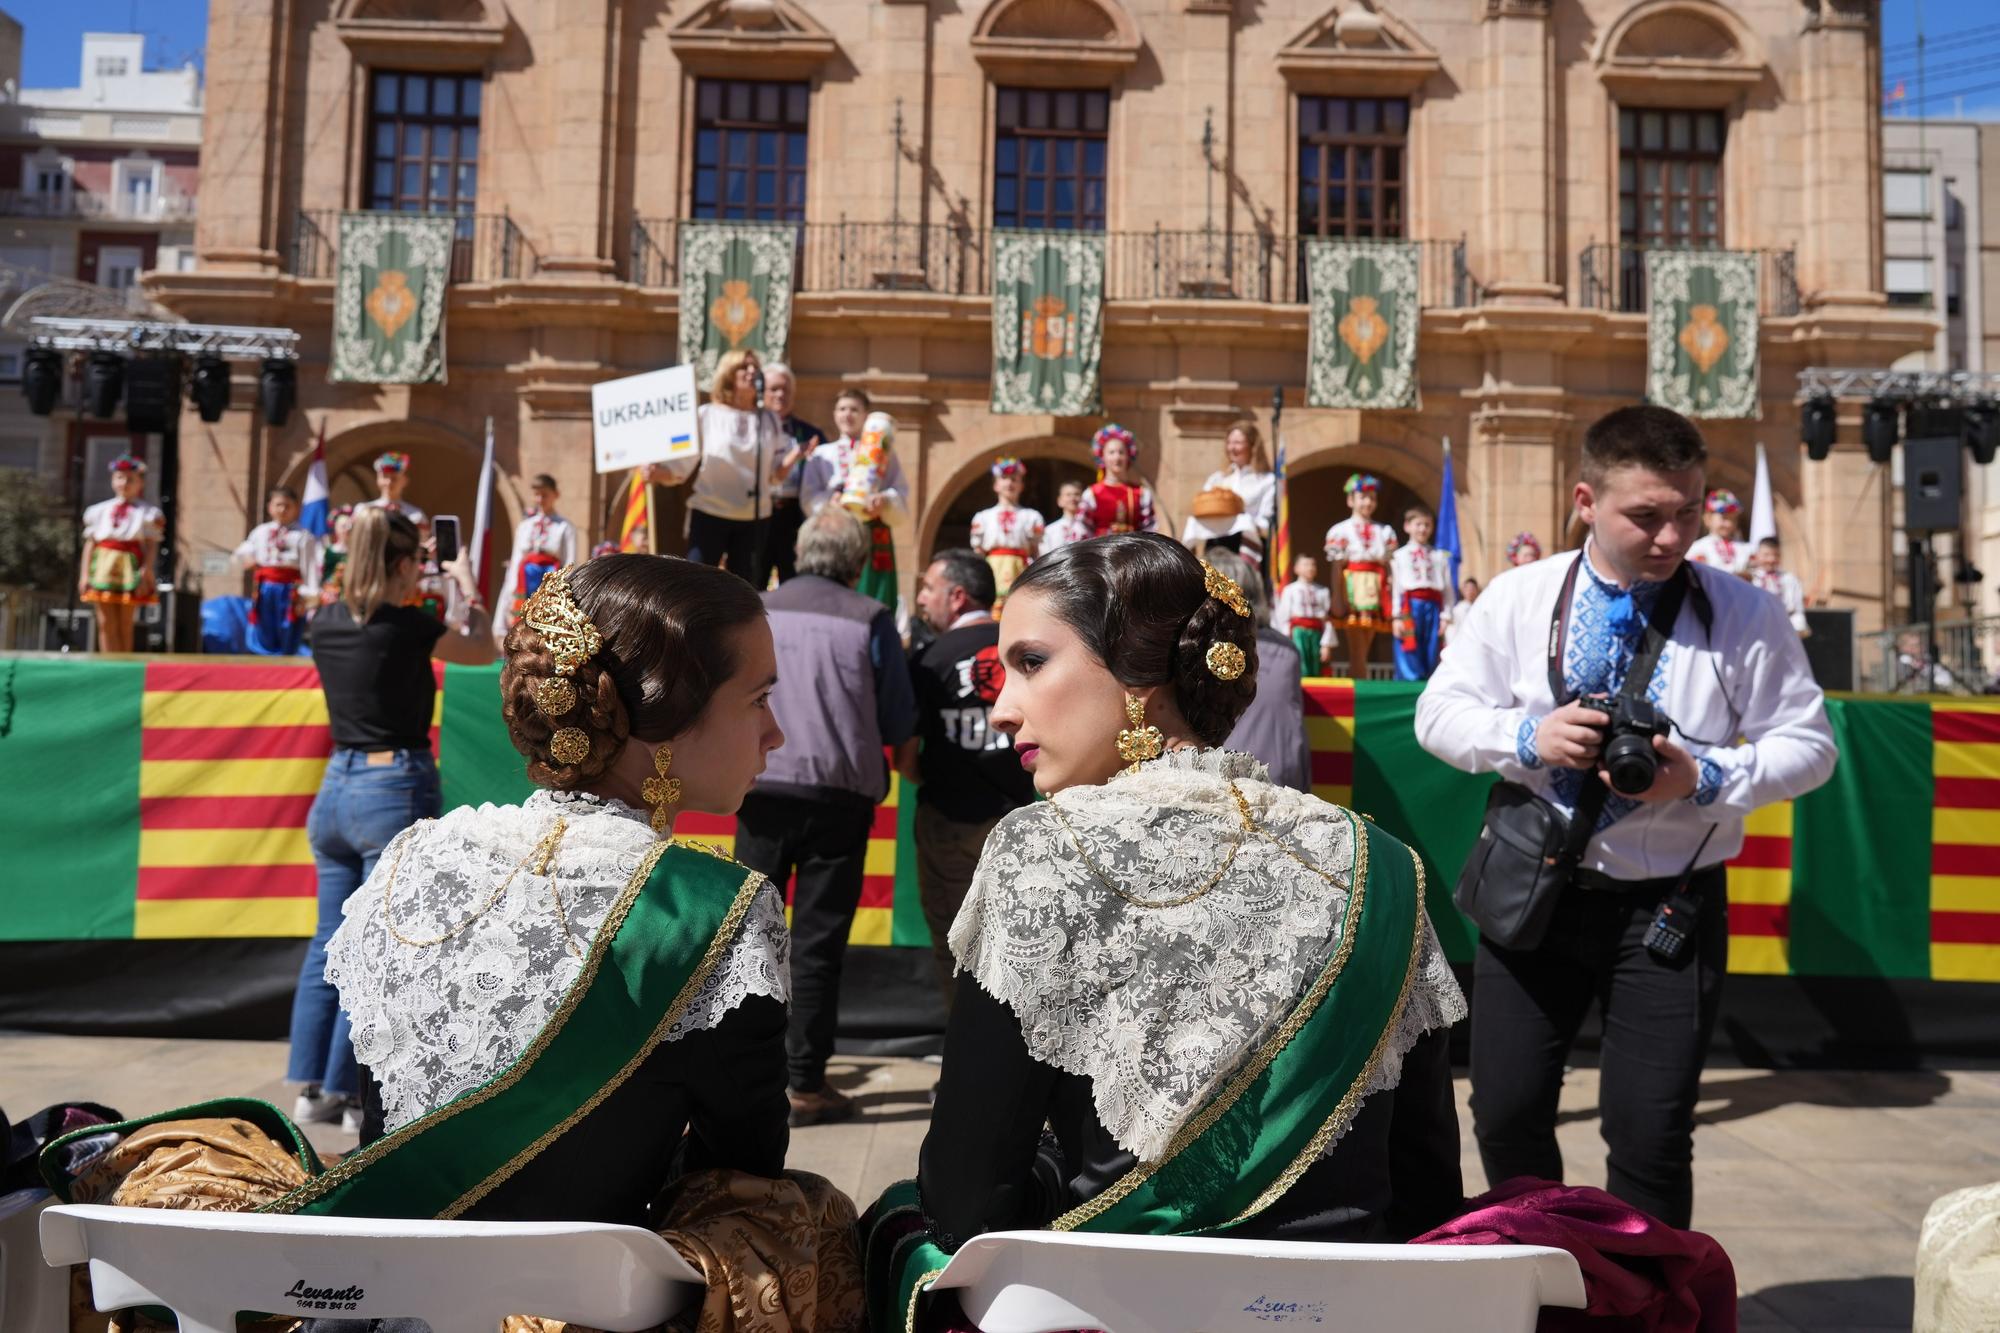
(1278, 550)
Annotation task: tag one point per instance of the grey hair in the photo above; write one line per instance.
(779, 368)
(833, 545)
(1233, 566)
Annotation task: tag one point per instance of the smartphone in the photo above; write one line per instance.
(444, 528)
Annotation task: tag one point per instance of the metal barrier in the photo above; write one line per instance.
(1945, 657)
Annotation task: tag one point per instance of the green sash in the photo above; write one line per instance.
(1267, 1125)
(666, 933)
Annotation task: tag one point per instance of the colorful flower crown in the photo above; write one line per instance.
(1724, 502)
(129, 463)
(1360, 482)
(1108, 432)
(393, 462)
(1523, 541)
(1008, 467)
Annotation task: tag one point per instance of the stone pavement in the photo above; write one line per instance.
(1815, 1182)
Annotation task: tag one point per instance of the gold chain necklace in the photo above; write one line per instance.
(1242, 813)
(542, 853)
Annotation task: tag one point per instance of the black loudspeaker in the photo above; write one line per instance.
(1933, 477)
(1816, 426)
(1830, 647)
(153, 394)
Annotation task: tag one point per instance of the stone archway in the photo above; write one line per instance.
(1051, 461)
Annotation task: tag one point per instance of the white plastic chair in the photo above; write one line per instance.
(1040, 1281)
(34, 1298)
(459, 1277)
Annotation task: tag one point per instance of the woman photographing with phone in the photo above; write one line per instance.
(374, 653)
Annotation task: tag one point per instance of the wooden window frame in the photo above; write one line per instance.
(788, 205)
(1639, 236)
(1353, 147)
(458, 121)
(1049, 136)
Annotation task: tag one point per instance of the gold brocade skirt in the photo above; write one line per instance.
(780, 1256)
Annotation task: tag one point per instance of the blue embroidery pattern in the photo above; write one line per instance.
(1606, 624)
(1524, 743)
(1709, 785)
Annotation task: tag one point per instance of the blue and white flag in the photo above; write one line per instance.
(312, 513)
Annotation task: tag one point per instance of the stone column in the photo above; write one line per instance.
(1840, 247)
(1520, 262)
(249, 48)
(577, 68)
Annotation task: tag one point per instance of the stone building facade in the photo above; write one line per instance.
(1208, 135)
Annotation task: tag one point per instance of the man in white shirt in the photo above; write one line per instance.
(1750, 729)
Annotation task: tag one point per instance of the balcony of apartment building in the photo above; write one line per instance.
(79, 205)
(485, 247)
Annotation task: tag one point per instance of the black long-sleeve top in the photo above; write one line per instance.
(987, 1165)
(713, 1098)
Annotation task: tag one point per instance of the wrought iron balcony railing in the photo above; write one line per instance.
(1612, 276)
(485, 247)
(90, 206)
(1153, 265)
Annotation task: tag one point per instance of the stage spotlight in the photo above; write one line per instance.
(1981, 429)
(153, 394)
(103, 384)
(1881, 425)
(1816, 420)
(278, 389)
(210, 389)
(42, 379)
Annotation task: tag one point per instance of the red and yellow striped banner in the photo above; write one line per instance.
(1329, 709)
(1965, 841)
(1760, 894)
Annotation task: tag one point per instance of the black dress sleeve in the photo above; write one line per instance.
(978, 1169)
(736, 1090)
(1427, 1184)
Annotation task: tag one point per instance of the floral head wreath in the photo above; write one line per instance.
(1361, 482)
(1009, 467)
(1724, 502)
(1106, 434)
(128, 463)
(393, 462)
(1523, 541)
(1225, 660)
(603, 548)
(345, 511)
(571, 640)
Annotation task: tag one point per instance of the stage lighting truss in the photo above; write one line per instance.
(128, 336)
(1954, 388)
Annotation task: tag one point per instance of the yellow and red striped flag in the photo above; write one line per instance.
(633, 528)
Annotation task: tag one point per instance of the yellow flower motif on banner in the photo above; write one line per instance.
(1049, 328)
(735, 312)
(1363, 329)
(1703, 339)
(392, 303)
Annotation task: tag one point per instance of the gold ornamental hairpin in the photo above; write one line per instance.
(1226, 661)
(1224, 589)
(568, 635)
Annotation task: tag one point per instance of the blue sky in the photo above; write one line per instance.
(176, 31)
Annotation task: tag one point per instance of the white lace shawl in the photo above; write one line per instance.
(1158, 1007)
(435, 1022)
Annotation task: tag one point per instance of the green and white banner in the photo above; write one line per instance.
(1365, 305)
(1048, 321)
(1701, 332)
(736, 291)
(388, 298)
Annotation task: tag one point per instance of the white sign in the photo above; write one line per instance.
(644, 419)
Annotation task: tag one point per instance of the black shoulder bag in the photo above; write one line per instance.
(1527, 851)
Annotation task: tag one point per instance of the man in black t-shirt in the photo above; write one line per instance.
(967, 772)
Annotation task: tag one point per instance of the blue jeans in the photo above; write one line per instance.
(360, 807)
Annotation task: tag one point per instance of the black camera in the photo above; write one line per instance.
(1628, 754)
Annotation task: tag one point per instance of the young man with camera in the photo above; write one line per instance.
(1599, 872)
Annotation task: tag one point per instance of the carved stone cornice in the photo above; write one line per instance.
(456, 36)
(1526, 9)
(1351, 48)
(1055, 43)
(768, 38)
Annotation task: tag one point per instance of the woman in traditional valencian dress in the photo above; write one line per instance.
(562, 1011)
(1222, 996)
(120, 538)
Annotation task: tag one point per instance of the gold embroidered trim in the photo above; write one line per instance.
(1240, 1084)
(725, 936)
(916, 1294)
(1343, 1114)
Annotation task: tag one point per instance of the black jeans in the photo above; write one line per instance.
(824, 843)
(737, 543)
(1527, 1006)
(781, 542)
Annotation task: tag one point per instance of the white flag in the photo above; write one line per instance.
(1763, 518)
(482, 509)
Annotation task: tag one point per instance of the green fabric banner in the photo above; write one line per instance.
(1862, 843)
(1701, 332)
(1048, 322)
(69, 762)
(1365, 306)
(388, 298)
(736, 291)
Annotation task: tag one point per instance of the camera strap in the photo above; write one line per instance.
(1659, 628)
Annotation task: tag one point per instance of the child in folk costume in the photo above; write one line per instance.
(1360, 548)
(544, 543)
(120, 538)
(861, 472)
(1418, 578)
(1767, 572)
(392, 478)
(286, 563)
(1524, 549)
(1117, 503)
(1007, 535)
(1720, 549)
(1071, 527)
(333, 556)
(1302, 611)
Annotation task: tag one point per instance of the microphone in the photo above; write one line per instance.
(757, 378)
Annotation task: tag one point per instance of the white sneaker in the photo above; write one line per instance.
(316, 1107)
(350, 1119)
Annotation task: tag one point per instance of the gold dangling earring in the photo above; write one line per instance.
(1139, 741)
(662, 793)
